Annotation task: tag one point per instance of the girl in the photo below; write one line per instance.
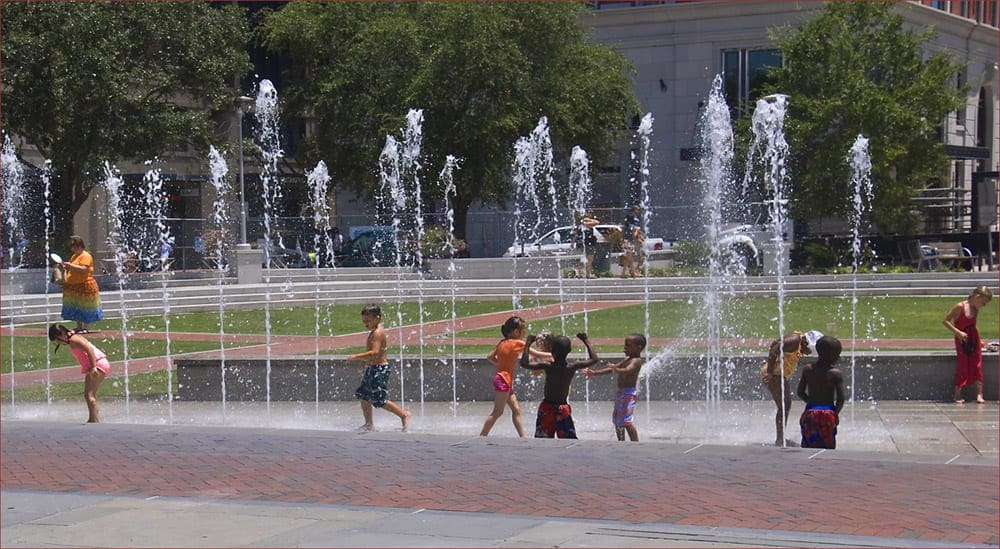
(961, 320)
(93, 364)
(505, 357)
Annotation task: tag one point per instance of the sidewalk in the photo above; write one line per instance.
(441, 485)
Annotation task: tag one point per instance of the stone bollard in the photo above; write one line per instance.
(249, 265)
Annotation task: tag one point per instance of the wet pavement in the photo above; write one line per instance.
(906, 474)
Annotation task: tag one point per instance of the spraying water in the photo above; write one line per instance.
(218, 169)
(861, 183)
(318, 180)
(113, 182)
(769, 151)
(716, 172)
(47, 215)
(156, 206)
(269, 139)
(13, 203)
(14, 197)
(410, 169)
(645, 134)
(447, 181)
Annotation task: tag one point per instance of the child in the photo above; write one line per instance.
(93, 364)
(628, 378)
(776, 374)
(961, 320)
(504, 357)
(821, 387)
(374, 388)
(555, 415)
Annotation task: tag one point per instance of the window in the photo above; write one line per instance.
(744, 73)
(960, 113)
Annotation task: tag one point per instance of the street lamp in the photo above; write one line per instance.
(241, 102)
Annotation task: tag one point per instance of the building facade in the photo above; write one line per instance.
(679, 47)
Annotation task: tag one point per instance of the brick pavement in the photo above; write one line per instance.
(846, 493)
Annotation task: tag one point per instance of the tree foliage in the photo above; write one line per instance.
(483, 73)
(855, 70)
(87, 82)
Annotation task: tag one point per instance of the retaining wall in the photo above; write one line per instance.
(885, 376)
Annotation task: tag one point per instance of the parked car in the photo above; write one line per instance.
(559, 241)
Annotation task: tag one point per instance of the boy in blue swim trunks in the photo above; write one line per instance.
(374, 389)
(821, 387)
(555, 415)
(628, 377)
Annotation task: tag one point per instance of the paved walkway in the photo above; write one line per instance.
(109, 484)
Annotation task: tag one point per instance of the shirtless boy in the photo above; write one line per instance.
(555, 415)
(628, 378)
(821, 387)
(374, 389)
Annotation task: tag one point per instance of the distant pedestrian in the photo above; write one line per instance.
(821, 387)
(93, 364)
(555, 415)
(585, 239)
(628, 381)
(374, 389)
(961, 320)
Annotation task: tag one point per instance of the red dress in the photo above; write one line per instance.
(969, 364)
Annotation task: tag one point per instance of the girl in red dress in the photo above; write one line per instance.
(961, 320)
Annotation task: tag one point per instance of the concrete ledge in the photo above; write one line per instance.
(885, 376)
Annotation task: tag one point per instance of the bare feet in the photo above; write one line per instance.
(406, 420)
(366, 428)
(980, 399)
(959, 401)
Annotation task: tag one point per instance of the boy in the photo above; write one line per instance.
(374, 388)
(821, 387)
(628, 378)
(555, 415)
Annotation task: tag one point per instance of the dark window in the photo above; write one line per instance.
(745, 72)
(981, 123)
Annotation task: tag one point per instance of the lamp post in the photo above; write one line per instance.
(242, 101)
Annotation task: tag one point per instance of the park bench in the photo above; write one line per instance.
(917, 254)
(955, 253)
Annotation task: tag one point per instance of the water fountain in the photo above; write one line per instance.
(218, 169)
(269, 138)
(14, 196)
(534, 192)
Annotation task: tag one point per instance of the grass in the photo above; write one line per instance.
(752, 318)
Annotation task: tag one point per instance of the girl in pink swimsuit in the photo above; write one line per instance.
(961, 320)
(93, 364)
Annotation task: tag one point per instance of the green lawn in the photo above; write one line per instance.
(753, 318)
(889, 317)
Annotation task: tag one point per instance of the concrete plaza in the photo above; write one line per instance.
(907, 474)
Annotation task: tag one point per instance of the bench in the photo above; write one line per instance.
(956, 253)
(917, 254)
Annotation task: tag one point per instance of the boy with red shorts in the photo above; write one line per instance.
(555, 415)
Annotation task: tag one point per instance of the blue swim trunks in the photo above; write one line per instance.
(625, 406)
(375, 385)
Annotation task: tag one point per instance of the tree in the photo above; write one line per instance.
(484, 73)
(89, 82)
(854, 70)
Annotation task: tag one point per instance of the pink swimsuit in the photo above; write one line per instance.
(84, 359)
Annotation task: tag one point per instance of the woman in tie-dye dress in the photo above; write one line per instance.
(81, 296)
